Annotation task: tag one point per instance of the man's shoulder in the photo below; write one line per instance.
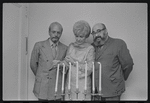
(39, 43)
(118, 41)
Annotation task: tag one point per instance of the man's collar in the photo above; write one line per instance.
(51, 43)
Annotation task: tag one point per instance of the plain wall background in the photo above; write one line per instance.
(127, 21)
(10, 39)
(14, 69)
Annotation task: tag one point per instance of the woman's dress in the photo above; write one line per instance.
(80, 53)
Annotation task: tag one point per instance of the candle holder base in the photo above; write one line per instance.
(93, 96)
(85, 93)
(69, 94)
(99, 94)
(77, 92)
(63, 96)
(55, 95)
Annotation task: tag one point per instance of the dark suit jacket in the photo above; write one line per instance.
(41, 65)
(114, 58)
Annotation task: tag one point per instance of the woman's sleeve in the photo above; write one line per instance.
(66, 61)
(90, 58)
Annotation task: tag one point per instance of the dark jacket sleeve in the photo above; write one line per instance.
(34, 58)
(125, 59)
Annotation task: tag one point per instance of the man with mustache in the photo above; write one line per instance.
(44, 58)
(116, 63)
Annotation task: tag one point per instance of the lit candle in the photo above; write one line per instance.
(100, 77)
(85, 75)
(57, 75)
(69, 75)
(77, 75)
(63, 78)
(93, 78)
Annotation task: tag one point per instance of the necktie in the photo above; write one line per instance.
(54, 50)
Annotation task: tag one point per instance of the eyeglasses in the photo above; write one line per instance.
(98, 31)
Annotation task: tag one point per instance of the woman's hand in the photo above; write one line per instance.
(68, 59)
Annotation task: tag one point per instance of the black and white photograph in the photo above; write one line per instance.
(75, 51)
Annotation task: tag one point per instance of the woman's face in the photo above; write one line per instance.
(80, 39)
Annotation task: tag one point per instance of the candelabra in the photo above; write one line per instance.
(93, 94)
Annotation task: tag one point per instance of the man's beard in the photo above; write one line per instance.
(55, 39)
(97, 41)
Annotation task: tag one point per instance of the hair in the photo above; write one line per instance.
(82, 28)
(55, 23)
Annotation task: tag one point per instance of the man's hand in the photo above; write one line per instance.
(55, 63)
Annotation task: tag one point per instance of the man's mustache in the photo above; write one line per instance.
(97, 38)
(55, 37)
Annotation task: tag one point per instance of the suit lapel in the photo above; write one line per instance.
(101, 51)
(59, 51)
(47, 49)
